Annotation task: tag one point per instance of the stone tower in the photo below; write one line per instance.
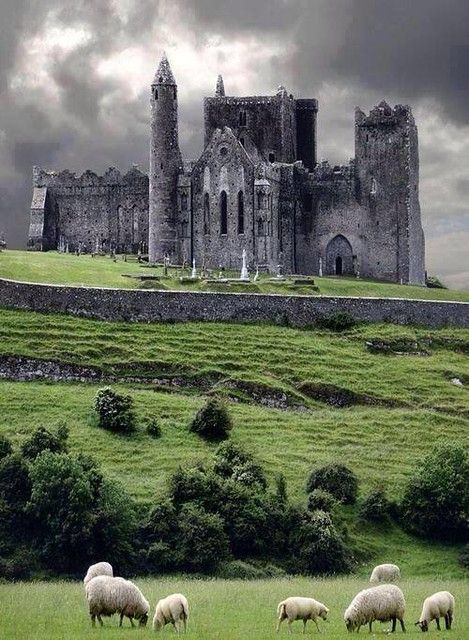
(165, 166)
(387, 165)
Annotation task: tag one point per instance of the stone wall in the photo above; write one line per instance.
(177, 306)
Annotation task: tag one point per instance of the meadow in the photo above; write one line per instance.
(225, 609)
(101, 271)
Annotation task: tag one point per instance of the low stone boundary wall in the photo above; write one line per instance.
(138, 305)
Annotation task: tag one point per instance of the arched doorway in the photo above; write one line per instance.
(339, 257)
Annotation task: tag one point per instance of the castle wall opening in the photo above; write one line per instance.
(339, 257)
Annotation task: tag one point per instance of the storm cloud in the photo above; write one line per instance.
(74, 79)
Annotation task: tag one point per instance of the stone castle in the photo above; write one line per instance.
(257, 187)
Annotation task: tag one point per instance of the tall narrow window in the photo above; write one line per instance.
(183, 201)
(240, 212)
(206, 214)
(242, 118)
(223, 213)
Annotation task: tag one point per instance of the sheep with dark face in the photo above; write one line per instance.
(439, 605)
(107, 595)
(384, 603)
(297, 608)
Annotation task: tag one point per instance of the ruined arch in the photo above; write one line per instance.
(339, 256)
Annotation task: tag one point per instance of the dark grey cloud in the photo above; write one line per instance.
(345, 52)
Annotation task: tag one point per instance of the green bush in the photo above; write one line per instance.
(20, 564)
(5, 447)
(242, 570)
(153, 429)
(323, 500)
(212, 421)
(436, 499)
(232, 461)
(317, 547)
(463, 558)
(202, 540)
(375, 507)
(44, 440)
(340, 321)
(337, 479)
(115, 411)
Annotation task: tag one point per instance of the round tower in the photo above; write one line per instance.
(165, 166)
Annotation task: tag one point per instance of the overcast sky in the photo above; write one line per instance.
(75, 75)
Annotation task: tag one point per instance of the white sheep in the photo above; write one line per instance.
(384, 602)
(304, 609)
(439, 605)
(98, 569)
(385, 573)
(173, 609)
(107, 595)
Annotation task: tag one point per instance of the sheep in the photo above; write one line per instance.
(439, 605)
(304, 609)
(385, 573)
(98, 569)
(107, 595)
(384, 602)
(173, 609)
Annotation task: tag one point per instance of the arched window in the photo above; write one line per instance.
(183, 201)
(242, 118)
(260, 227)
(206, 214)
(271, 157)
(240, 212)
(156, 93)
(223, 213)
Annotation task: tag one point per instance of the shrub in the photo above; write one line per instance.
(436, 500)
(375, 507)
(43, 440)
(196, 484)
(203, 542)
(212, 421)
(153, 429)
(337, 479)
(115, 411)
(242, 570)
(340, 321)
(5, 447)
(317, 546)
(463, 558)
(281, 489)
(320, 499)
(232, 461)
(20, 564)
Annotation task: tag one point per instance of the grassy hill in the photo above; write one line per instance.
(59, 268)
(282, 385)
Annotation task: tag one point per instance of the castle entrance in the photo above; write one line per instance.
(339, 257)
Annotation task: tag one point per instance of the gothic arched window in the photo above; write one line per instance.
(206, 214)
(240, 212)
(223, 213)
(183, 201)
(242, 118)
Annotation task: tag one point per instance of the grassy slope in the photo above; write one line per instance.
(53, 267)
(380, 443)
(218, 609)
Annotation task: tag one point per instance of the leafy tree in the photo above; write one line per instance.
(153, 428)
(5, 447)
(232, 461)
(337, 479)
(115, 411)
(203, 542)
(323, 500)
(212, 421)
(375, 507)
(317, 546)
(436, 499)
(44, 440)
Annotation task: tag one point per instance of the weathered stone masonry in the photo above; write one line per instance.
(177, 306)
(257, 186)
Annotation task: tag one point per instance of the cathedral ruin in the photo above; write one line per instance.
(257, 187)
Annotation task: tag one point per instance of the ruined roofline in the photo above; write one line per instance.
(384, 114)
(42, 177)
(251, 100)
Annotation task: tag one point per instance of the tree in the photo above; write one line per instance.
(203, 542)
(5, 447)
(232, 461)
(212, 421)
(44, 440)
(337, 479)
(115, 411)
(436, 499)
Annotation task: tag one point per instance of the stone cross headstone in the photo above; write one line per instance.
(244, 269)
(320, 267)
(194, 271)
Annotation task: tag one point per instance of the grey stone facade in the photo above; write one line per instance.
(257, 186)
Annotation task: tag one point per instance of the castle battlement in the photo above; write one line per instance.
(67, 178)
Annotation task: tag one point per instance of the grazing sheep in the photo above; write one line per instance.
(439, 605)
(107, 595)
(385, 602)
(304, 609)
(385, 573)
(173, 609)
(98, 569)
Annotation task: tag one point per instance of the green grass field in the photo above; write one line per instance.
(218, 609)
(59, 268)
(413, 404)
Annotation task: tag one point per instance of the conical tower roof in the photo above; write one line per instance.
(220, 90)
(163, 74)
